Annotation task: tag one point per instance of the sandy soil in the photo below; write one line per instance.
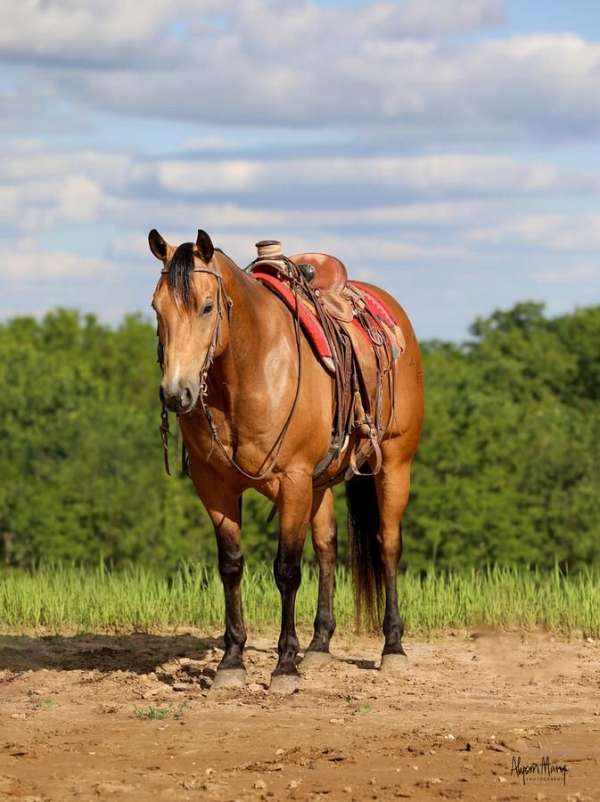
(73, 725)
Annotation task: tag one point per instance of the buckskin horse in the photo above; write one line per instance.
(287, 378)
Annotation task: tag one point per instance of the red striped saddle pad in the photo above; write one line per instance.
(312, 327)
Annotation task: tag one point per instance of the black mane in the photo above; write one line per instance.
(178, 276)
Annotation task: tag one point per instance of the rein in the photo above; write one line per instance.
(275, 449)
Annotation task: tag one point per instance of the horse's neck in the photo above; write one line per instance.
(256, 321)
(243, 293)
(237, 284)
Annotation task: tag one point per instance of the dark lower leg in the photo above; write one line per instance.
(325, 545)
(392, 490)
(225, 510)
(324, 625)
(287, 577)
(231, 566)
(226, 514)
(294, 515)
(393, 625)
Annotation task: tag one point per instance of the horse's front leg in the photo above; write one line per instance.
(295, 504)
(224, 509)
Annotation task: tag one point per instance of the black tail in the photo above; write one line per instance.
(367, 566)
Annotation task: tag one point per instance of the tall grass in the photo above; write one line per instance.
(68, 597)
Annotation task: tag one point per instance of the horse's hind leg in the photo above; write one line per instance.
(324, 537)
(393, 484)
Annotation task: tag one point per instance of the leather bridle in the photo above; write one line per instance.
(208, 360)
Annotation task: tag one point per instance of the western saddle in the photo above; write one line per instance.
(328, 272)
(359, 329)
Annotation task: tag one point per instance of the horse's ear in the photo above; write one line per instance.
(158, 245)
(205, 246)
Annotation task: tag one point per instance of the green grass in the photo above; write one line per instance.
(68, 597)
(152, 713)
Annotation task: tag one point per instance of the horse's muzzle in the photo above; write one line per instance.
(181, 401)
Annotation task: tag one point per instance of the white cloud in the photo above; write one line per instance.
(370, 73)
(277, 62)
(415, 18)
(232, 217)
(548, 232)
(70, 30)
(36, 205)
(41, 188)
(446, 173)
(80, 199)
(36, 161)
(205, 143)
(569, 273)
(27, 262)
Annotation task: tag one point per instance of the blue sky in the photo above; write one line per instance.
(447, 151)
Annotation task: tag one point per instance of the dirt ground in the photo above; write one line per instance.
(78, 721)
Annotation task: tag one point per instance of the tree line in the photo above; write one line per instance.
(508, 470)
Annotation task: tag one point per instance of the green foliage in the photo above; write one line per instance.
(507, 472)
(80, 469)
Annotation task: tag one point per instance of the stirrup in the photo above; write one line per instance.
(357, 460)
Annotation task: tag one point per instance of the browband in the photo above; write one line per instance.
(201, 270)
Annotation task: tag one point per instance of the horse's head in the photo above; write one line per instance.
(188, 301)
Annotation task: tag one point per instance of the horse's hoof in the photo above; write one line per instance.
(393, 664)
(284, 684)
(229, 678)
(315, 660)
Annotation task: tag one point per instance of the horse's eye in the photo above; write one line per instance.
(207, 308)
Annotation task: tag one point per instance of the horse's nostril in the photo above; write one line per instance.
(177, 400)
(185, 398)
